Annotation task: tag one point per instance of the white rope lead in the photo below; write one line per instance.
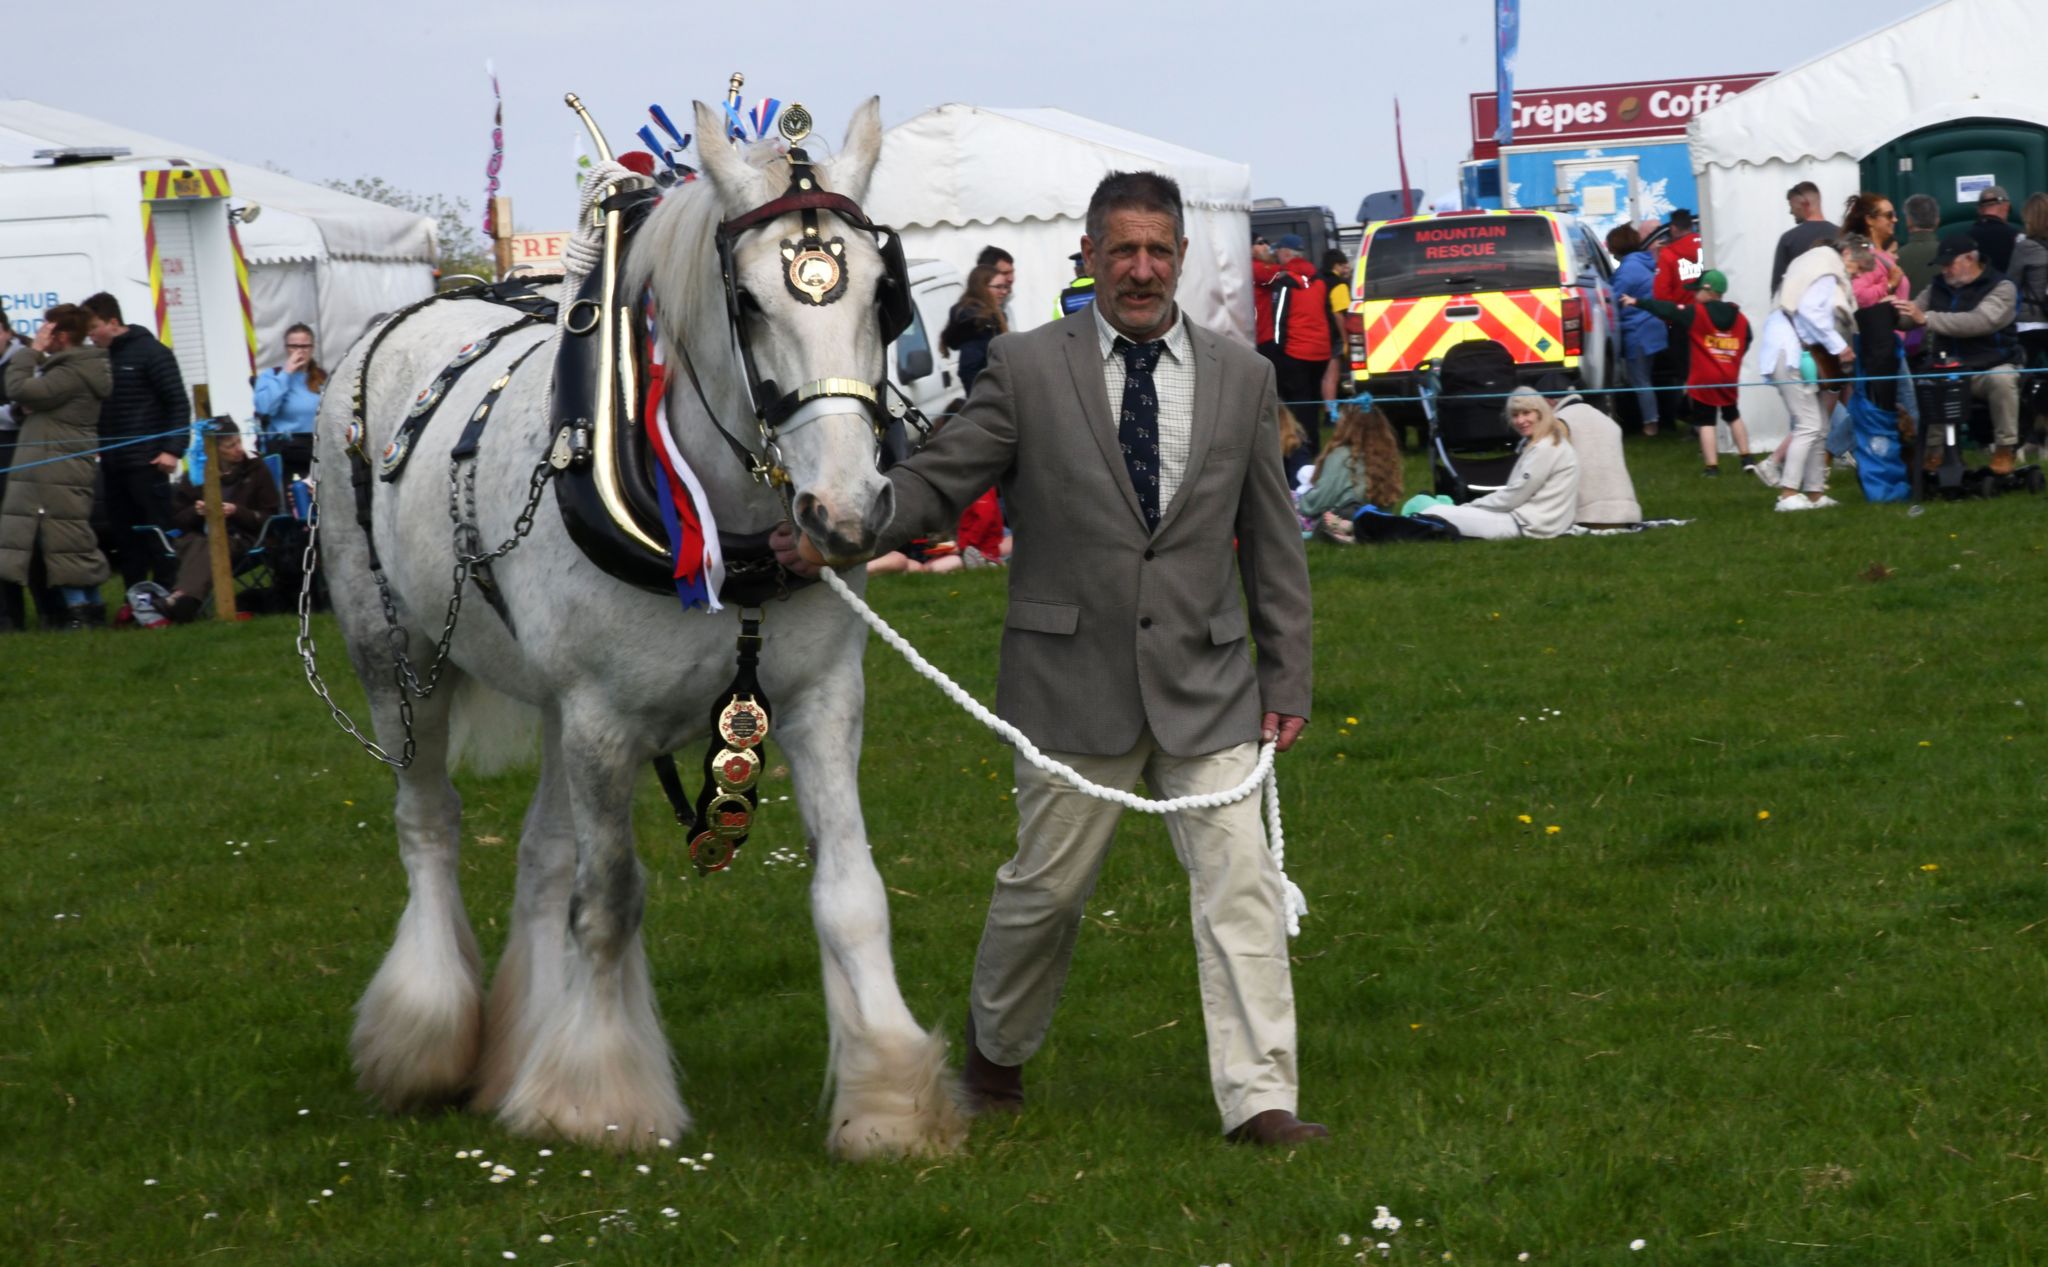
(1261, 776)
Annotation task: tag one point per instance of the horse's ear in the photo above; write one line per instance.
(739, 183)
(856, 158)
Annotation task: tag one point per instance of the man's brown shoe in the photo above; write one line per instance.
(990, 1087)
(1276, 1127)
(2001, 460)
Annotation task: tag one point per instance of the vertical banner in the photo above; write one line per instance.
(497, 163)
(1507, 15)
(1401, 155)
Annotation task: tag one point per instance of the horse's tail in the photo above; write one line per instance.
(489, 731)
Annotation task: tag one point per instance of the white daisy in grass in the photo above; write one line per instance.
(1637, 1243)
(547, 1238)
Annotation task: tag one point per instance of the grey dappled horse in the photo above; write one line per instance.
(569, 1042)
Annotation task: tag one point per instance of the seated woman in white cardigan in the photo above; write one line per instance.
(1541, 497)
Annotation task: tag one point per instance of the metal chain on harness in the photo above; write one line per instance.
(404, 675)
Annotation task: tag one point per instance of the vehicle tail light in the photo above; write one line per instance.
(1354, 338)
(1574, 325)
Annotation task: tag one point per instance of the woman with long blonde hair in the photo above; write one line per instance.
(1541, 497)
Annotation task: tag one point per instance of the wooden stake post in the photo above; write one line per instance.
(217, 534)
(501, 241)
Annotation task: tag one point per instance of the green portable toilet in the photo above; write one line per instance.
(1953, 161)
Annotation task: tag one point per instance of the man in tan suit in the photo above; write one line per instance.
(1140, 471)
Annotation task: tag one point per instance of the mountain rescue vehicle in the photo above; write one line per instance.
(1535, 282)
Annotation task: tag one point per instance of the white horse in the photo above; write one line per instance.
(569, 1042)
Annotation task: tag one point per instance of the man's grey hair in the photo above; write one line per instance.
(1923, 212)
(1858, 251)
(1136, 191)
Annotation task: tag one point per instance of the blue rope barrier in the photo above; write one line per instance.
(130, 442)
(86, 453)
(1369, 398)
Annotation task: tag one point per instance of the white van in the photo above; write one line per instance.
(155, 234)
(927, 374)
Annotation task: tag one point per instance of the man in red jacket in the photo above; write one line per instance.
(1678, 264)
(1300, 331)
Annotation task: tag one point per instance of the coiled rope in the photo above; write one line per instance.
(1261, 776)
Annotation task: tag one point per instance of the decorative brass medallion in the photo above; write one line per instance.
(814, 270)
(795, 123)
(743, 724)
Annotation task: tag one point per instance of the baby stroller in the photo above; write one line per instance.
(1464, 398)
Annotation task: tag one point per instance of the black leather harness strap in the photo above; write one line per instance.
(740, 720)
(399, 451)
(462, 469)
(471, 440)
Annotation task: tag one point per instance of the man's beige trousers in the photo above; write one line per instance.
(1235, 899)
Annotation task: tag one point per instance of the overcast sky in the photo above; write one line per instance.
(1302, 92)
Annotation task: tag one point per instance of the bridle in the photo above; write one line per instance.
(815, 271)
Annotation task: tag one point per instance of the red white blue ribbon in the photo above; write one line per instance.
(685, 511)
(763, 115)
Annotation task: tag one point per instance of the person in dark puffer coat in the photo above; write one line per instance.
(148, 399)
(59, 381)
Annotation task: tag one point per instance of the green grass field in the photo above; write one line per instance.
(1687, 888)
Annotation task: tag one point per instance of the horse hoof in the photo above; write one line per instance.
(419, 1026)
(897, 1098)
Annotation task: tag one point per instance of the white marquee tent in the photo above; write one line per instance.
(1962, 59)
(315, 254)
(958, 178)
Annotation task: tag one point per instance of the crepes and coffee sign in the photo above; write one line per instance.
(1601, 112)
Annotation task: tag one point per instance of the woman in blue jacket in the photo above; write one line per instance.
(287, 399)
(1642, 335)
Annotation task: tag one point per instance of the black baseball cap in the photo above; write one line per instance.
(1953, 246)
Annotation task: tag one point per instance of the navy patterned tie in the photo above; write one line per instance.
(1137, 427)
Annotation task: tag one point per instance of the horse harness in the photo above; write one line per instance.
(605, 474)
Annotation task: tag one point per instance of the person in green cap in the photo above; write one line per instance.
(1718, 334)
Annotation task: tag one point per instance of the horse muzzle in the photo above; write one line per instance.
(845, 529)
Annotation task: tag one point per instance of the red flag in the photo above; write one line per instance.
(1401, 156)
